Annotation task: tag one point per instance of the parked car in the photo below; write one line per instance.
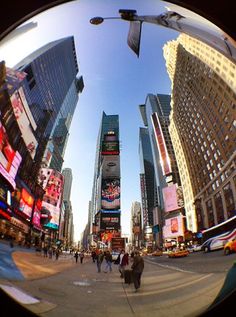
(194, 248)
(230, 247)
(177, 253)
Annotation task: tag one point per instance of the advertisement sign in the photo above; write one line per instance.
(173, 197)
(144, 199)
(111, 166)
(160, 140)
(110, 148)
(13, 79)
(118, 243)
(174, 227)
(37, 215)
(52, 182)
(110, 221)
(24, 122)
(9, 159)
(26, 203)
(110, 196)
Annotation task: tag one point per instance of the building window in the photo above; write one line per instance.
(219, 207)
(229, 200)
(210, 214)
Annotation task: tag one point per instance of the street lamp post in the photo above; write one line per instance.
(195, 27)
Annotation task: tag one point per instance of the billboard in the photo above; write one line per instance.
(160, 140)
(13, 79)
(110, 148)
(9, 159)
(174, 227)
(37, 215)
(110, 221)
(118, 243)
(110, 194)
(24, 120)
(52, 182)
(111, 166)
(173, 197)
(26, 203)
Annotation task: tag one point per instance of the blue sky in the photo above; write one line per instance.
(116, 81)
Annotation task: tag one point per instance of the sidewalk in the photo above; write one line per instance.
(36, 266)
(60, 288)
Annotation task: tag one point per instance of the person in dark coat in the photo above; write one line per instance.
(76, 256)
(137, 268)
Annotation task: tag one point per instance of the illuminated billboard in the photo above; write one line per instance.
(111, 166)
(110, 148)
(110, 221)
(26, 203)
(9, 159)
(37, 215)
(25, 121)
(174, 227)
(160, 140)
(110, 194)
(52, 182)
(171, 196)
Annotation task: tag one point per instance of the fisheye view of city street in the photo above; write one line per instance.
(117, 159)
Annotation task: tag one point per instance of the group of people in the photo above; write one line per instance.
(77, 255)
(122, 261)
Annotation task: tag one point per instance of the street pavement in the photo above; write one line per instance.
(65, 288)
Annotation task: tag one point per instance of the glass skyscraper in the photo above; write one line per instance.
(51, 90)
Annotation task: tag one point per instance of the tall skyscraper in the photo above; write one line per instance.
(147, 185)
(136, 224)
(52, 89)
(105, 202)
(155, 113)
(68, 214)
(203, 129)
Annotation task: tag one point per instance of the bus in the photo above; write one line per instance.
(216, 237)
(223, 227)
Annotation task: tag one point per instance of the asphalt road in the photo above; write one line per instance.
(198, 262)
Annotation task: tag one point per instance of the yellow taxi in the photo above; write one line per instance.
(178, 253)
(230, 247)
(157, 253)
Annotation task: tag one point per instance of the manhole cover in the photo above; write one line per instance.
(51, 291)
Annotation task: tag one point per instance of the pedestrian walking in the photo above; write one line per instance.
(123, 260)
(50, 253)
(108, 258)
(81, 256)
(45, 251)
(57, 252)
(100, 257)
(76, 255)
(137, 268)
(93, 255)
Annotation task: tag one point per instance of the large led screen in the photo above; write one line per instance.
(110, 221)
(160, 140)
(24, 120)
(174, 227)
(9, 159)
(173, 197)
(111, 166)
(52, 182)
(110, 148)
(110, 196)
(26, 203)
